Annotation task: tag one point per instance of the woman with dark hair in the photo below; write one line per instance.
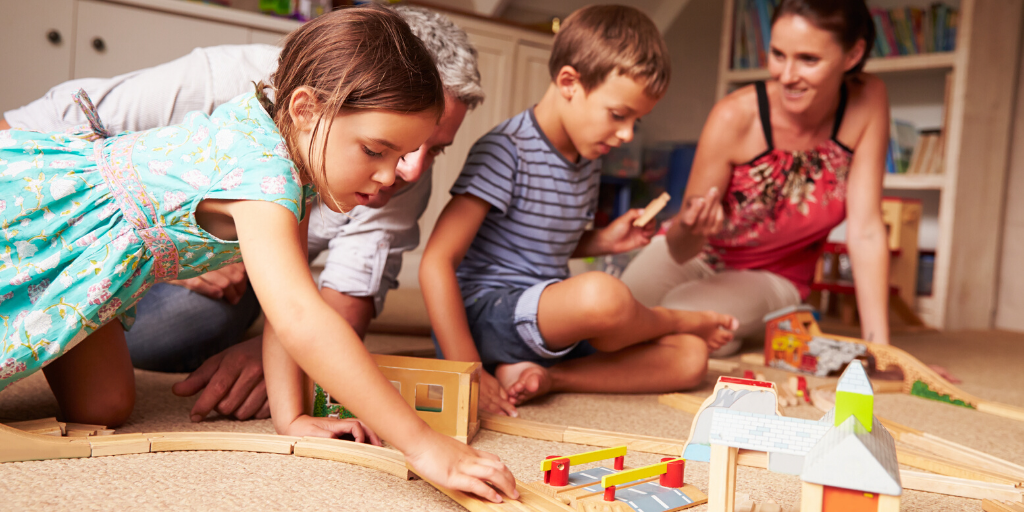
(779, 164)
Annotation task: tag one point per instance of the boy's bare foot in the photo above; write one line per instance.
(715, 328)
(523, 381)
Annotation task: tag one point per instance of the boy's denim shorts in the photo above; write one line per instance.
(503, 323)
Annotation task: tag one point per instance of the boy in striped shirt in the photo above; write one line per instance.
(495, 272)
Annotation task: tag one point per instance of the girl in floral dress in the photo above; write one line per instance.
(90, 220)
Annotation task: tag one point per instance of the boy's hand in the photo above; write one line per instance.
(332, 428)
(493, 397)
(622, 236)
(449, 463)
(702, 215)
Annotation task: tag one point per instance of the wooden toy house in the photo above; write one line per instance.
(445, 394)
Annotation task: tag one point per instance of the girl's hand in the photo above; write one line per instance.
(451, 464)
(332, 428)
(702, 215)
(622, 236)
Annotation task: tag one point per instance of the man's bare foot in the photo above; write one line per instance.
(523, 381)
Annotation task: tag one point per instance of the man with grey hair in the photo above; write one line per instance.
(198, 325)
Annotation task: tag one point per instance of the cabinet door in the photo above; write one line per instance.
(31, 63)
(494, 59)
(532, 77)
(115, 39)
(266, 37)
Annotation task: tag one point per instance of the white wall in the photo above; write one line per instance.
(693, 42)
(1010, 299)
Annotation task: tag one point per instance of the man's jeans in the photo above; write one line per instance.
(177, 329)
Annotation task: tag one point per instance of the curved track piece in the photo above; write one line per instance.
(16, 446)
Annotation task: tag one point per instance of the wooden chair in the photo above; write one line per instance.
(902, 218)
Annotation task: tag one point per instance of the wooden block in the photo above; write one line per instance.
(897, 430)
(602, 506)
(652, 209)
(521, 427)
(917, 481)
(81, 433)
(84, 427)
(222, 441)
(529, 501)
(369, 456)
(995, 506)
(105, 432)
(722, 366)
(752, 458)
(921, 460)
(682, 401)
(886, 386)
(45, 426)
(637, 443)
(755, 358)
(962, 454)
(119, 444)
(16, 445)
(1004, 410)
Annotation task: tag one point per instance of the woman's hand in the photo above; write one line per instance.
(451, 464)
(702, 216)
(332, 428)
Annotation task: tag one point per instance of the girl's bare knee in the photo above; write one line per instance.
(110, 409)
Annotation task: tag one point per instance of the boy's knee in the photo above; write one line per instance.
(605, 298)
(691, 359)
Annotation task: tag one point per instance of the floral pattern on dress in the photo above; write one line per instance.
(88, 224)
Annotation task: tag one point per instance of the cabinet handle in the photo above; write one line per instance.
(99, 45)
(53, 36)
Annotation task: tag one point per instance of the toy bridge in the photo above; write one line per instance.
(656, 487)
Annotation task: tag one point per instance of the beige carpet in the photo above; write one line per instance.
(989, 362)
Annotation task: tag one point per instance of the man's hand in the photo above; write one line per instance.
(493, 397)
(227, 283)
(232, 383)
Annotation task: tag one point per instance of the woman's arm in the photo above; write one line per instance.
(866, 235)
(453, 233)
(701, 214)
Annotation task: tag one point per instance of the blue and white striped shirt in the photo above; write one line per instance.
(540, 206)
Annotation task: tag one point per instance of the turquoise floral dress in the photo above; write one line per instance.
(89, 221)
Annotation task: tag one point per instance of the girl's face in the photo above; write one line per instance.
(363, 149)
(808, 62)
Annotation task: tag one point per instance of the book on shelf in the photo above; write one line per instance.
(914, 30)
(752, 33)
(924, 157)
(902, 140)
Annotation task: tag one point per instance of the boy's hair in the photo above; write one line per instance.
(600, 39)
(449, 45)
(353, 59)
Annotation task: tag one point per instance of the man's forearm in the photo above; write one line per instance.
(357, 311)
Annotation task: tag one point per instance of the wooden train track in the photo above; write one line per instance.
(16, 446)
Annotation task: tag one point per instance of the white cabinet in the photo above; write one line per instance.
(37, 38)
(114, 39)
(47, 42)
